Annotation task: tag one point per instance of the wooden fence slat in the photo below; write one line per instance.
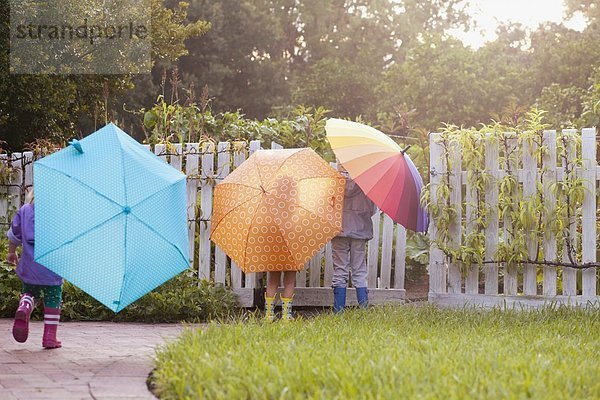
(328, 273)
(206, 194)
(549, 178)
(199, 168)
(529, 189)
(387, 245)
(14, 191)
(472, 279)
(373, 252)
(301, 278)
(251, 279)
(510, 272)
(160, 151)
(569, 275)
(176, 157)
(28, 170)
(191, 171)
(588, 218)
(223, 167)
(455, 231)
(254, 145)
(437, 278)
(315, 269)
(400, 257)
(491, 229)
(239, 156)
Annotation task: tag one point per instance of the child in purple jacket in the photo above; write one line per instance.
(37, 279)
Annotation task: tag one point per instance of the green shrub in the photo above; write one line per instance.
(389, 353)
(183, 298)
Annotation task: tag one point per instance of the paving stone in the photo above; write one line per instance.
(7, 395)
(98, 360)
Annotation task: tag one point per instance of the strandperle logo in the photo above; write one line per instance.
(80, 37)
(85, 31)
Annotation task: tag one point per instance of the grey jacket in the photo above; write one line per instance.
(358, 210)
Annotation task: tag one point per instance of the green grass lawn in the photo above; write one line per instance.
(390, 353)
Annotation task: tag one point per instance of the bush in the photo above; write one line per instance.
(183, 298)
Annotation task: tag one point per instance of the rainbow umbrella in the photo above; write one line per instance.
(382, 170)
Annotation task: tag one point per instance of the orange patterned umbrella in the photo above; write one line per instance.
(277, 209)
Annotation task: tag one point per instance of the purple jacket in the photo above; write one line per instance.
(21, 232)
(358, 210)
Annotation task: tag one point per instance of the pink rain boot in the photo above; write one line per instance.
(51, 319)
(21, 325)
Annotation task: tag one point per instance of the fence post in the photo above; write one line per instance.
(437, 278)
(588, 218)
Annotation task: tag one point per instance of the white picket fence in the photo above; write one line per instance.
(205, 166)
(447, 286)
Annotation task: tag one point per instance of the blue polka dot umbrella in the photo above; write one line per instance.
(110, 217)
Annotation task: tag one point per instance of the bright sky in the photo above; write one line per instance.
(528, 12)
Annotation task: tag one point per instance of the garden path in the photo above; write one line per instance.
(98, 360)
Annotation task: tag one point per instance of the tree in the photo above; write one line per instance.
(244, 59)
(591, 102)
(35, 106)
(264, 54)
(350, 46)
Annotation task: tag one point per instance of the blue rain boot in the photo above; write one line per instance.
(339, 299)
(362, 296)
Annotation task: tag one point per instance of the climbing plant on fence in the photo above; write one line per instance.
(520, 210)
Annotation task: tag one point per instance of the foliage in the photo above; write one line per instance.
(564, 105)
(190, 121)
(64, 106)
(338, 85)
(421, 352)
(245, 56)
(183, 298)
(259, 54)
(528, 215)
(591, 101)
(355, 58)
(11, 285)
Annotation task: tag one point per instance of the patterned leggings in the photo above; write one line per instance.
(52, 294)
